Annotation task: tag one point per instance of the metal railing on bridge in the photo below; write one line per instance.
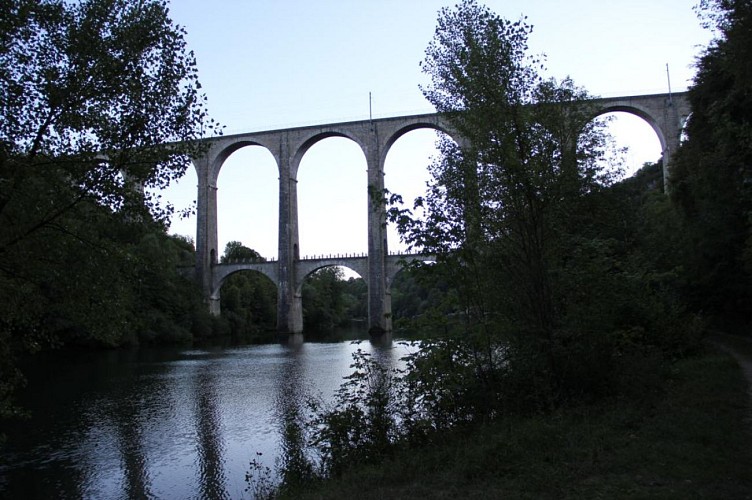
(331, 256)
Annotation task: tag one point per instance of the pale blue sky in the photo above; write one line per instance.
(267, 64)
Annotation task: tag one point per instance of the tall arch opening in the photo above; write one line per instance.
(332, 199)
(406, 172)
(635, 141)
(248, 201)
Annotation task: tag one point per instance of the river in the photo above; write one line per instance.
(164, 422)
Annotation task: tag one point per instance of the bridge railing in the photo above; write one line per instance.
(249, 261)
(331, 256)
(406, 253)
(336, 256)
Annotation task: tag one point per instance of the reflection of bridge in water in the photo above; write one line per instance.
(665, 113)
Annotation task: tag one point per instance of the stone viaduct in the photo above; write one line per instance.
(665, 113)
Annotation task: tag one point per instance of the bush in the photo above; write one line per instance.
(361, 424)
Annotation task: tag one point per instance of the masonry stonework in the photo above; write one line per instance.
(665, 113)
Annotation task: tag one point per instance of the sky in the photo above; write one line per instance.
(270, 64)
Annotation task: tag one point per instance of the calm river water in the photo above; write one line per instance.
(164, 423)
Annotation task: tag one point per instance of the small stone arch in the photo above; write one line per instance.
(312, 270)
(221, 277)
(395, 265)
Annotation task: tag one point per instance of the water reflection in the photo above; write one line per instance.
(134, 460)
(210, 449)
(165, 423)
(383, 341)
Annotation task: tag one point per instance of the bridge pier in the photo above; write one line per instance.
(214, 308)
(289, 299)
(206, 232)
(379, 298)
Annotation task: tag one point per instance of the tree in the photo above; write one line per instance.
(324, 304)
(235, 251)
(518, 214)
(561, 275)
(99, 103)
(99, 78)
(506, 198)
(248, 299)
(710, 179)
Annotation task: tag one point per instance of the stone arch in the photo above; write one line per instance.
(246, 186)
(417, 125)
(195, 166)
(309, 272)
(305, 268)
(224, 153)
(181, 193)
(395, 265)
(414, 160)
(392, 275)
(329, 177)
(221, 277)
(639, 112)
(315, 138)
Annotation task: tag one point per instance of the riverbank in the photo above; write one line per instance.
(690, 440)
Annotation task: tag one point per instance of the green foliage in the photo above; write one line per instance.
(569, 279)
(259, 480)
(683, 442)
(512, 211)
(330, 301)
(710, 180)
(501, 210)
(421, 296)
(248, 299)
(567, 291)
(235, 251)
(168, 306)
(360, 425)
(94, 95)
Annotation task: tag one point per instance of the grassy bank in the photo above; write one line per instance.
(690, 440)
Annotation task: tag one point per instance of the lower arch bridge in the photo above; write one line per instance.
(306, 266)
